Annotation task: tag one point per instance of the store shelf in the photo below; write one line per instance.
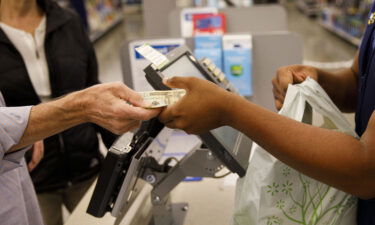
(341, 33)
(101, 16)
(96, 35)
(132, 2)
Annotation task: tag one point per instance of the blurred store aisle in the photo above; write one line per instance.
(319, 44)
(108, 48)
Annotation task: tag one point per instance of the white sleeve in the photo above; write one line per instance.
(13, 122)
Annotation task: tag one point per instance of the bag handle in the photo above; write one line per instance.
(302, 98)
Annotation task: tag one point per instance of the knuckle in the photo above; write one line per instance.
(137, 124)
(145, 116)
(274, 93)
(191, 80)
(170, 124)
(117, 127)
(195, 79)
(172, 80)
(165, 116)
(124, 130)
(162, 119)
(274, 81)
(280, 70)
(175, 112)
(116, 113)
(116, 131)
(116, 86)
(180, 124)
(189, 130)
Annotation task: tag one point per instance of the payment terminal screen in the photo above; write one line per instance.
(227, 136)
(183, 67)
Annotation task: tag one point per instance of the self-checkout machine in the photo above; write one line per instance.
(270, 51)
(122, 188)
(132, 158)
(258, 18)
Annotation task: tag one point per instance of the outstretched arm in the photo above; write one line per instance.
(332, 157)
(112, 106)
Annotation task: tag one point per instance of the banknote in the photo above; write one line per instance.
(156, 99)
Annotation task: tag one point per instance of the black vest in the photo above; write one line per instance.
(73, 155)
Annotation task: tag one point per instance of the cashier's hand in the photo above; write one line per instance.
(37, 155)
(115, 107)
(286, 75)
(202, 108)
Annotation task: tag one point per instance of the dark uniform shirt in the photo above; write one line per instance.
(366, 104)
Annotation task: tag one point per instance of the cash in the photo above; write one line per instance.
(156, 99)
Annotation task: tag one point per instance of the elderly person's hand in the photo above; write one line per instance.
(37, 155)
(115, 107)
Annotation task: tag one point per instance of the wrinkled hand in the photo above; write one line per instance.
(115, 107)
(202, 108)
(37, 155)
(286, 75)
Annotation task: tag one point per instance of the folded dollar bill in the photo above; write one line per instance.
(156, 99)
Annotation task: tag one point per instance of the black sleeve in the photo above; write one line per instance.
(92, 79)
(107, 136)
(83, 39)
(92, 65)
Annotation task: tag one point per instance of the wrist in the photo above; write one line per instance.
(75, 106)
(323, 78)
(318, 74)
(229, 105)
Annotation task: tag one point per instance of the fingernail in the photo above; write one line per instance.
(146, 104)
(165, 80)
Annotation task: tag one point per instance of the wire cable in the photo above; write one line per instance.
(229, 3)
(222, 176)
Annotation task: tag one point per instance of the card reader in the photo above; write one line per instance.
(181, 62)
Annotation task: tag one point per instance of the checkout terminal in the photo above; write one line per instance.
(135, 158)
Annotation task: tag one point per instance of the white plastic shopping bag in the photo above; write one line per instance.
(272, 193)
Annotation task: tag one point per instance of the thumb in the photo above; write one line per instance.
(31, 166)
(299, 78)
(284, 82)
(178, 82)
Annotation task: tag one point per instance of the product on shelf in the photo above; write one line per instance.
(209, 24)
(102, 13)
(346, 18)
